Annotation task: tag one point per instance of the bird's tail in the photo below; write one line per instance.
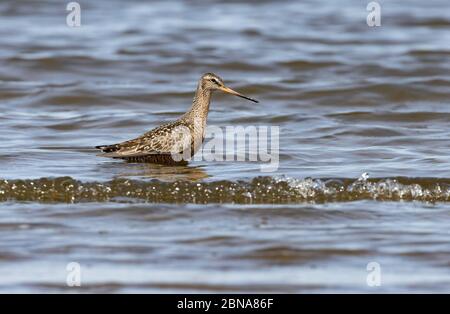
(108, 148)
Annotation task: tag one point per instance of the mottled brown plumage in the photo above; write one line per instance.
(176, 142)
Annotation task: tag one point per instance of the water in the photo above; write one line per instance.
(348, 99)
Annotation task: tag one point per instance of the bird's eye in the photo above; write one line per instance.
(215, 81)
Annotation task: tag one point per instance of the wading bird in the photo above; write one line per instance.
(177, 141)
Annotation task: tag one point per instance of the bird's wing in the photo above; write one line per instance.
(166, 139)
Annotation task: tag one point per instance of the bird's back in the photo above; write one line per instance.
(157, 145)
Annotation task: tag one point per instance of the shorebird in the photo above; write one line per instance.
(177, 141)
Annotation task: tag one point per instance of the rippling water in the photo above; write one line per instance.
(348, 99)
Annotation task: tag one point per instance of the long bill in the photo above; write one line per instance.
(232, 92)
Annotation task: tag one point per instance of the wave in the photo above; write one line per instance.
(260, 190)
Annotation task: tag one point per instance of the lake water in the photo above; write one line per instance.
(348, 99)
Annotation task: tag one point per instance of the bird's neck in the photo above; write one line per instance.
(200, 104)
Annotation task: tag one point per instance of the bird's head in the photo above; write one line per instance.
(212, 82)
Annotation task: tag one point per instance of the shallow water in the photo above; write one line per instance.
(348, 99)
